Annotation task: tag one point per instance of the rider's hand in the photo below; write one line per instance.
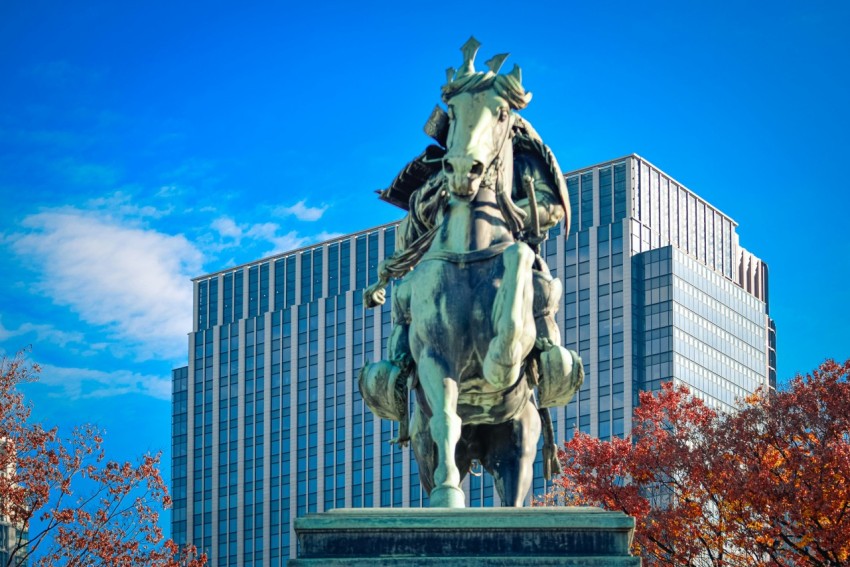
(374, 296)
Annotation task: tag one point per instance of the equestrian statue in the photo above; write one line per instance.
(474, 337)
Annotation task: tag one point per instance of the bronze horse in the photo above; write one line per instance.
(474, 311)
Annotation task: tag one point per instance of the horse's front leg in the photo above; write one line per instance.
(512, 319)
(440, 390)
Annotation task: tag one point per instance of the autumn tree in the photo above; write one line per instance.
(768, 484)
(792, 455)
(77, 507)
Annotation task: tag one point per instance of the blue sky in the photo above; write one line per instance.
(142, 144)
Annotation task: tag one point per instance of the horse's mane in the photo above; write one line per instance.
(506, 86)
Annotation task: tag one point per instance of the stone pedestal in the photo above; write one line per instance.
(467, 537)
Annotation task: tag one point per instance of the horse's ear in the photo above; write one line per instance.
(450, 73)
(495, 63)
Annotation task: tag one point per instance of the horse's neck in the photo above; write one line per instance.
(473, 225)
(467, 226)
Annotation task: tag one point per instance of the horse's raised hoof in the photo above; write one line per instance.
(496, 373)
(447, 497)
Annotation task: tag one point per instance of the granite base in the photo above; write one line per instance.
(467, 537)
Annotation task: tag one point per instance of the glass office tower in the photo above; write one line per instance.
(268, 423)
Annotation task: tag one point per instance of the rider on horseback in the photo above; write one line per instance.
(533, 205)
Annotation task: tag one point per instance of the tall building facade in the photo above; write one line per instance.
(13, 545)
(14, 539)
(268, 423)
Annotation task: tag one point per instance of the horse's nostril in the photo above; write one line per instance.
(477, 169)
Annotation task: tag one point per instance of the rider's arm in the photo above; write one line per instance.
(549, 208)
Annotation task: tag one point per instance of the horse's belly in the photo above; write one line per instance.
(477, 405)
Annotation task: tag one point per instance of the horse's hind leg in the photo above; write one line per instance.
(510, 456)
(424, 448)
(512, 319)
(441, 393)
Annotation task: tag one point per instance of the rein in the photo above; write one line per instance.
(513, 215)
(402, 262)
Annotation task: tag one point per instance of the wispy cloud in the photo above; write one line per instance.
(231, 234)
(170, 191)
(43, 333)
(193, 171)
(287, 242)
(301, 211)
(78, 383)
(131, 281)
(227, 228)
(325, 235)
(120, 205)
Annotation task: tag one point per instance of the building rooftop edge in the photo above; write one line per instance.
(295, 250)
(389, 224)
(646, 161)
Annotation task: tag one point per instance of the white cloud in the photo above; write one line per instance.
(227, 228)
(133, 282)
(169, 191)
(43, 333)
(287, 242)
(301, 211)
(263, 231)
(120, 205)
(77, 383)
(325, 235)
(232, 234)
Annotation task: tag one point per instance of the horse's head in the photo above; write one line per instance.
(481, 118)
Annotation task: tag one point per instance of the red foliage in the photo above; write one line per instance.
(793, 453)
(91, 511)
(766, 485)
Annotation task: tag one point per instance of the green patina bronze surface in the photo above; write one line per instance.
(474, 333)
(474, 339)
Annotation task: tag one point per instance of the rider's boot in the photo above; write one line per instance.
(561, 370)
(384, 385)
